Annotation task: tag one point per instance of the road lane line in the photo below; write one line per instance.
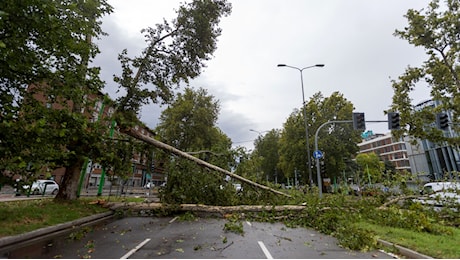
(132, 251)
(172, 220)
(249, 223)
(265, 250)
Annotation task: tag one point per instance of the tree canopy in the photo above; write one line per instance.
(189, 124)
(267, 147)
(175, 53)
(50, 45)
(436, 30)
(338, 141)
(47, 47)
(371, 167)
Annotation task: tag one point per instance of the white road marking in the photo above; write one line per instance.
(132, 251)
(172, 220)
(249, 223)
(265, 250)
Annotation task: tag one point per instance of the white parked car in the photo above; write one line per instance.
(43, 186)
(149, 185)
(439, 194)
(433, 187)
(238, 187)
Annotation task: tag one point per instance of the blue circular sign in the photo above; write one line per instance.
(318, 154)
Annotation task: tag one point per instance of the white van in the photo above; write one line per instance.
(434, 187)
(440, 194)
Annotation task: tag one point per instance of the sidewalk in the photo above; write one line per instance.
(7, 193)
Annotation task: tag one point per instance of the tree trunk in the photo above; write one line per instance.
(69, 185)
(187, 156)
(222, 210)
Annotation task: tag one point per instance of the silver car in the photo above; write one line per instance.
(43, 187)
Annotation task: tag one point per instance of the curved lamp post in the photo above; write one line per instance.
(305, 116)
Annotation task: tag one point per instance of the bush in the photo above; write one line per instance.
(189, 183)
(415, 220)
(355, 238)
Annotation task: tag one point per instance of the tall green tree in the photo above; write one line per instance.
(189, 123)
(337, 141)
(371, 168)
(266, 147)
(436, 30)
(48, 45)
(175, 53)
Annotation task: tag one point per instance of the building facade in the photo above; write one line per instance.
(435, 160)
(424, 159)
(388, 149)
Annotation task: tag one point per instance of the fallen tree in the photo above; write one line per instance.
(202, 163)
(199, 208)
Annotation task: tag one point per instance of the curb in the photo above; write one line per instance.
(12, 242)
(405, 251)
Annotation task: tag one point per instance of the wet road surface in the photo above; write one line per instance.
(146, 237)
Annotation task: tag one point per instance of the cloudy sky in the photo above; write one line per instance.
(354, 39)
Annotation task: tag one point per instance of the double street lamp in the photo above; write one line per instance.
(260, 133)
(305, 117)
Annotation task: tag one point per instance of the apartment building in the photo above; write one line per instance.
(388, 149)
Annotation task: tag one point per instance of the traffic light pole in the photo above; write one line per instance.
(318, 169)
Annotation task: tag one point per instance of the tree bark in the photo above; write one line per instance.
(69, 185)
(223, 210)
(397, 199)
(202, 163)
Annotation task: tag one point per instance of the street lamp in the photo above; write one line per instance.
(305, 116)
(260, 133)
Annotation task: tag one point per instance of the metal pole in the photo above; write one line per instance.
(310, 176)
(318, 170)
(305, 116)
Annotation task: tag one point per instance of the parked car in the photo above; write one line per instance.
(43, 187)
(433, 187)
(149, 185)
(440, 194)
(238, 187)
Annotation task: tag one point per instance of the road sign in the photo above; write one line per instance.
(318, 154)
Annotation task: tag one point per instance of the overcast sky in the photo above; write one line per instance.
(354, 39)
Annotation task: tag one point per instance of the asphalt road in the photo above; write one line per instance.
(141, 238)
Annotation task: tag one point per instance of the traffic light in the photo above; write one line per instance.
(358, 121)
(393, 120)
(442, 121)
(322, 168)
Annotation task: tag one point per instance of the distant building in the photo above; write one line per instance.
(423, 158)
(435, 159)
(388, 149)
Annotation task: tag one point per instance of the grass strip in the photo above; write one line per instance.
(436, 246)
(18, 217)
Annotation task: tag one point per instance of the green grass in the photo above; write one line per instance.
(436, 246)
(116, 199)
(18, 217)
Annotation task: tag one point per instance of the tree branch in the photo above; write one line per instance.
(202, 163)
